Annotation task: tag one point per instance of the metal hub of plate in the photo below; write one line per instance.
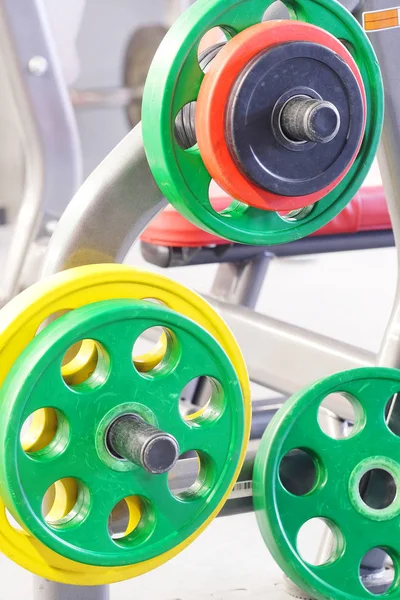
(21, 319)
(136, 415)
(353, 490)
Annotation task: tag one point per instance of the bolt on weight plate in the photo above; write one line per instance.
(19, 322)
(139, 411)
(175, 80)
(346, 488)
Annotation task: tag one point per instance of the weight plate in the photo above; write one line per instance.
(263, 127)
(20, 320)
(115, 390)
(220, 92)
(175, 79)
(351, 484)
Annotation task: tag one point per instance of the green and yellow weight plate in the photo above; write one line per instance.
(19, 322)
(81, 449)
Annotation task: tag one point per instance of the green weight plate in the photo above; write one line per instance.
(85, 412)
(351, 484)
(174, 80)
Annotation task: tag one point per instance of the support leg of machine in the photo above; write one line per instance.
(240, 283)
(49, 590)
(386, 45)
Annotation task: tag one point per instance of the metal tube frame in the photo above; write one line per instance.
(47, 129)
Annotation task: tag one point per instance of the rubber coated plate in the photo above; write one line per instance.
(360, 517)
(253, 120)
(79, 450)
(21, 319)
(217, 94)
(174, 80)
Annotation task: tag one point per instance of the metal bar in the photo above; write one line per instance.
(165, 257)
(284, 357)
(109, 211)
(386, 44)
(237, 283)
(49, 590)
(105, 98)
(46, 123)
(241, 282)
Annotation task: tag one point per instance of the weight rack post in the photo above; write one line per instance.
(386, 43)
(49, 590)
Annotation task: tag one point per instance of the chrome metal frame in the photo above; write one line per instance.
(47, 129)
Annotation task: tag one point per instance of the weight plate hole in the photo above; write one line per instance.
(349, 46)
(331, 424)
(223, 204)
(45, 433)
(155, 301)
(276, 11)
(202, 398)
(131, 521)
(66, 503)
(13, 522)
(85, 365)
(378, 583)
(299, 214)
(191, 474)
(53, 317)
(155, 351)
(125, 517)
(298, 471)
(210, 43)
(319, 541)
(392, 414)
(377, 489)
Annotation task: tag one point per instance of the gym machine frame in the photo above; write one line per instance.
(122, 193)
(51, 145)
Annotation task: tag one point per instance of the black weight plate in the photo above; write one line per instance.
(260, 149)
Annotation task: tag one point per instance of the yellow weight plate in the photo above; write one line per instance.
(19, 322)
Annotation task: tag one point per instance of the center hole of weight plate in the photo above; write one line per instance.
(377, 489)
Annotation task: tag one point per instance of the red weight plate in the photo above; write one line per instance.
(213, 99)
